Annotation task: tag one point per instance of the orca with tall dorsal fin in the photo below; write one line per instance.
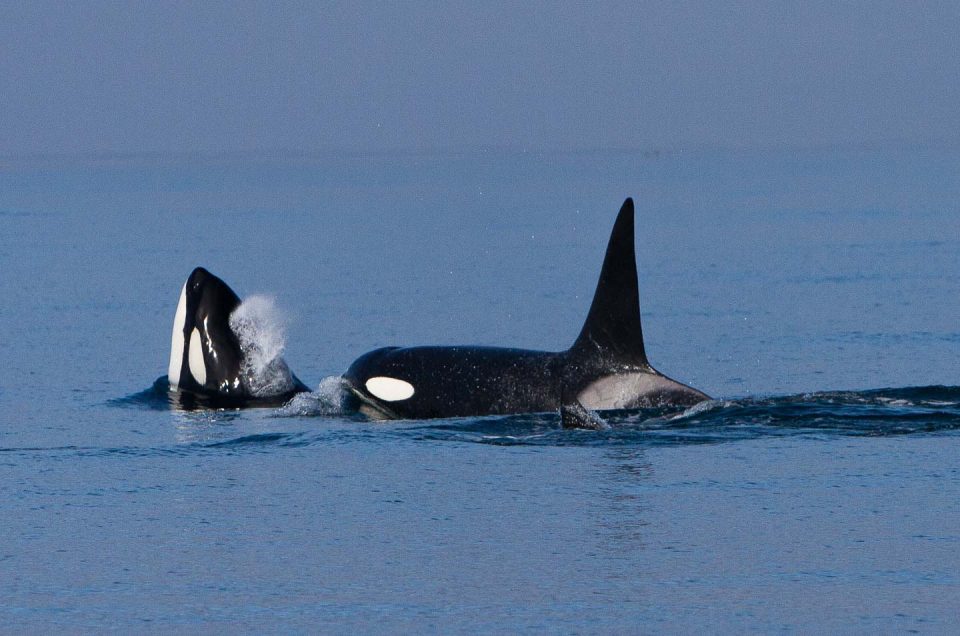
(606, 368)
(213, 365)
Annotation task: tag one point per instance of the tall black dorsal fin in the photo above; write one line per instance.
(612, 331)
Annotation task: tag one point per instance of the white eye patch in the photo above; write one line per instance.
(389, 389)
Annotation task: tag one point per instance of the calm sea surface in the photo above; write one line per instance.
(815, 295)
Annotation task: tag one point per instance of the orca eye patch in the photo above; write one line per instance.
(389, 389)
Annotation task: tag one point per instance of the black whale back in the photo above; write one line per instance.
(463, 381)
(458, 381)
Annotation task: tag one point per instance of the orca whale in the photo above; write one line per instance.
(606, 368)
(210, 363)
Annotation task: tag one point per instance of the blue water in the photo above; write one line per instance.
(814, 295)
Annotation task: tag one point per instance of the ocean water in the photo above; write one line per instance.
(814, 294)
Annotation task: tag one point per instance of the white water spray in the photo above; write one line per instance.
(331, 398)
(260, 327)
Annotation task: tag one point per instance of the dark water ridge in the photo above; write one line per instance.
(872, 413)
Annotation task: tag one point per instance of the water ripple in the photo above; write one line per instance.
(875, 413)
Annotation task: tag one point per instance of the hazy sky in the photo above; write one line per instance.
(211, 77)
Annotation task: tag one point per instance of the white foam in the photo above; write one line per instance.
(176, 340)
(330, 398)
(260, 327)
(700, 407)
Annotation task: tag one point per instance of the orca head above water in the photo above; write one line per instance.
(210, 362)
(606, 368)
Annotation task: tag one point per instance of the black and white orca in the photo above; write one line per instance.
(606, 368)
(210, 363)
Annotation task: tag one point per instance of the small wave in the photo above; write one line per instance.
(159, 397)
(878, 413)
(331, 398)
(937, 395)
(698, 409)
(155, 398)
(258, 439)
(874, 413)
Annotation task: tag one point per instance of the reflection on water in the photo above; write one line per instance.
(620, 511)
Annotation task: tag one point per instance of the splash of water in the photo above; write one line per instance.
(260, 327)
(331, 398)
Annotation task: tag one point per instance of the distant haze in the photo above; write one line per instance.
(222, 77)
